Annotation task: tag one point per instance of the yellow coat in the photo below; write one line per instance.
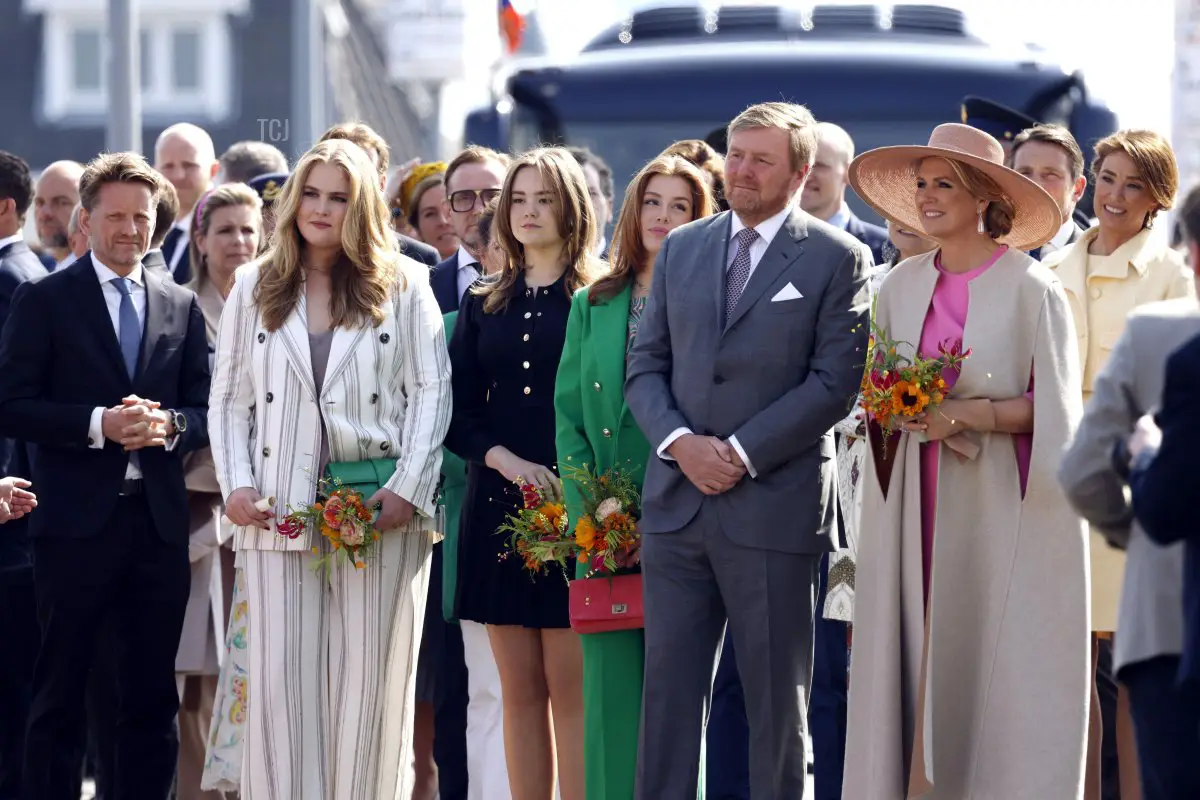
(1143, 270)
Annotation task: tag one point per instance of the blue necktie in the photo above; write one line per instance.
(130, 330)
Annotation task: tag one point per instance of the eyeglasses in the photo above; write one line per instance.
(464, 200)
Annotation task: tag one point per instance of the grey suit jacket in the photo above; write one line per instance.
(777, 374)
(1150, 613)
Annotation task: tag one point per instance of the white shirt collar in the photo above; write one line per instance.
(766, 229)
(841, 217)
(1064, 233)
(466, 260)
(7, 240)
(186, 224)
(68, 261)
(105, 275)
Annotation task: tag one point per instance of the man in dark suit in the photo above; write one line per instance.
(18, 265)
(1050, 157)
(824, 197)
(744, 451)
(473, 178)
(377, 149)
(165, 213)
(55, 194)
(104, 367)
(184, 153)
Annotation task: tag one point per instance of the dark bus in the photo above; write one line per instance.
(887, 74)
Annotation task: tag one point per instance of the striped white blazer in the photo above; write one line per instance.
(386, 394)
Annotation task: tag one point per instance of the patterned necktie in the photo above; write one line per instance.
(739, 271)
(130, 330)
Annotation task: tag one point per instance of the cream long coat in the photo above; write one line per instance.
(1143, 270)
(996, 694)
(386, 394)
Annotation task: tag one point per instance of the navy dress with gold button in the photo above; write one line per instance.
(504, 367)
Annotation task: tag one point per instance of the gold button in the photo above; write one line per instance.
(607, 433)
(525, 364)
(596, 386)
(528, 315)
(1096, 292)
(525, 338)
(527, 390)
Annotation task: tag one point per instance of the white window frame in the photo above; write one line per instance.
(212, 101)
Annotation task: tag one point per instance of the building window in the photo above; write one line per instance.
(185, 59)
(186, 69)
(87, 60)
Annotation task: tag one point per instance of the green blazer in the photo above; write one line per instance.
(454, 492)
(594, 425)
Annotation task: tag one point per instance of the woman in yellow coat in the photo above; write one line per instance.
(594, 427)
(1119, 264)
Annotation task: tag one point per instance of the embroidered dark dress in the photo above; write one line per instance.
(504, 366)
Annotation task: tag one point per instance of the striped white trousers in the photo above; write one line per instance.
(333, 670)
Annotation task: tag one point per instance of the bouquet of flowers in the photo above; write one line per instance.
(606, 535)
(538, 531)
(343, 519)
(896, 388)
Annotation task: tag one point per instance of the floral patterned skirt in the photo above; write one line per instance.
(223, 762)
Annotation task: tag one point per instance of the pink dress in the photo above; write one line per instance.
(944, 323)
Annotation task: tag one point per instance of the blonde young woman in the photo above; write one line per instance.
(969, 677)
(330, 350)
(596, 428)
(1121, 263)
(225, 235)
(506, 347)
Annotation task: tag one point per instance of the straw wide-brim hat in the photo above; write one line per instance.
(886, 180)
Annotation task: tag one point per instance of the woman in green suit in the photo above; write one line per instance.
(594, 427)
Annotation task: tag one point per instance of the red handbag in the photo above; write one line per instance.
(607, 603)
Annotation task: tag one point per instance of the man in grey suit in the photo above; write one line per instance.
(1094, 473)
(751, 347)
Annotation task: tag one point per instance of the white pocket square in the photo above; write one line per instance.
(788, 292)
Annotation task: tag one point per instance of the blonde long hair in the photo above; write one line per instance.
(227, 195)
(628, 255)
(573, 214)
(367, 270)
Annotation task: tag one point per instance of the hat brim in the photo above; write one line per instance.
(886, 180)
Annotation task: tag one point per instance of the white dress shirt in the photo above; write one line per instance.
(182, 246)
(112, 298)
(767, 230)
(1060, 239)
(66, 262)
(7, 240)
(468, 271)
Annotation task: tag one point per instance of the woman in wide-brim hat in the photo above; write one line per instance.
(971, 615)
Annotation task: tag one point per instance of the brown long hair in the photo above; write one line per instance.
(628, 254)
(367, 271)
(573, 214)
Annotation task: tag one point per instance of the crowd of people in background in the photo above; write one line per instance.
(986, 602)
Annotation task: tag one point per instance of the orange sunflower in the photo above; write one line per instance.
(908, 399)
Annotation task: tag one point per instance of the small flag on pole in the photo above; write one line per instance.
(512, 26)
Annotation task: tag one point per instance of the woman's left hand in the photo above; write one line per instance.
(394, 510)
(936, 423)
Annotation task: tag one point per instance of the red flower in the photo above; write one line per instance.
(290, 527)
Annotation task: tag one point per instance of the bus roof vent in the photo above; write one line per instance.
(683, 23)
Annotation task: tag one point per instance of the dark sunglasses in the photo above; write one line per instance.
(464, 200)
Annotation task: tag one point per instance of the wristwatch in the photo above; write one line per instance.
(178, 421)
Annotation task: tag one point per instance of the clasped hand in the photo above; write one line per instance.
(137, 423)
(15, 499)
(711, 464)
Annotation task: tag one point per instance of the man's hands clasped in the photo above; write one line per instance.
(137, 423)
(711, 464)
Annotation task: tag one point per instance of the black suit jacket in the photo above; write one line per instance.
(872, 236)
(418, 251)
(444, 281)
(1164, 492)
(60, 359)
(18, 264)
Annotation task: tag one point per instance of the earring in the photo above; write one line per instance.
(982, 228)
